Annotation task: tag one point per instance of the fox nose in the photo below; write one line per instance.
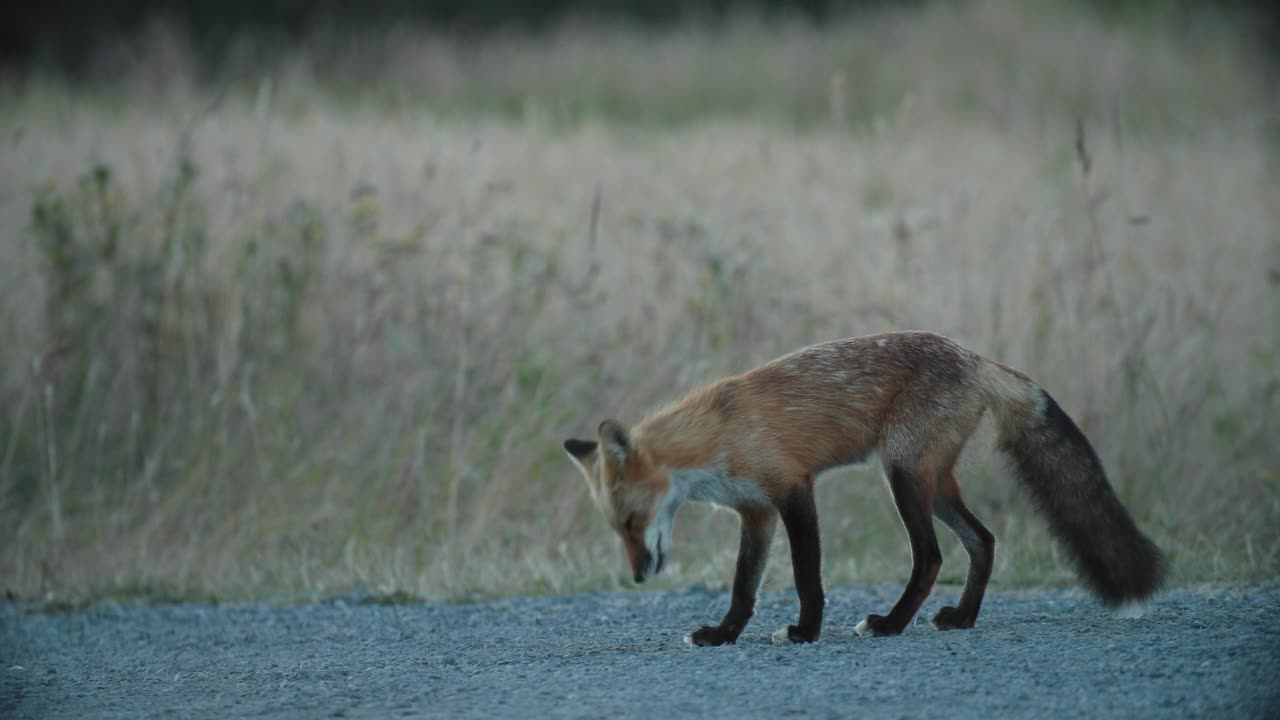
(643, 568)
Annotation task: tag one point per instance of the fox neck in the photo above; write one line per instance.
(685, 436)
(684, 439)
(713, 484)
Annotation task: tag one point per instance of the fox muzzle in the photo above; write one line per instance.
(651, 563)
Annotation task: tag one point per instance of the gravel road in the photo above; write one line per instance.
(1204, 652)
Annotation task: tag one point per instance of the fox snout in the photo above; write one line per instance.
(646, 563)
(642, 571)
(650, 565)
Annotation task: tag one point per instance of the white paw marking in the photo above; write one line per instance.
(861, 627)
(1132, 610)
(780, 636)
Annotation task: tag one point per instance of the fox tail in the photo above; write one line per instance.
(1052, 458)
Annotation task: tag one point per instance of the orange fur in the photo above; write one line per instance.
(820, 407)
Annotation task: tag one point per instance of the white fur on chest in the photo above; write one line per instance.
(714, 485)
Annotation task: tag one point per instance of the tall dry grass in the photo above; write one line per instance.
(286, 339)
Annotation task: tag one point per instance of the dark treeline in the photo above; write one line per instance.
(65, 33)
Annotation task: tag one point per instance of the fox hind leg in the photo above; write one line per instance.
(913, 496)
(978, 543)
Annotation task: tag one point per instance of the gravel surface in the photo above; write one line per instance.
(1205, 652)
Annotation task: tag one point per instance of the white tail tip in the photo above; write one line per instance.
(1132, 610)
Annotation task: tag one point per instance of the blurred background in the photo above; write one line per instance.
(301, 298)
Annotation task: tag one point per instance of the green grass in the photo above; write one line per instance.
(291, 340)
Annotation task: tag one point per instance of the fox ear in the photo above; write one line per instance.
(613, 438)
(580, 449)
(581, 454)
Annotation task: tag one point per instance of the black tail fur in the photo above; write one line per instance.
(1068, 485)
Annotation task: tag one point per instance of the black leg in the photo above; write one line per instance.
(800, 516)
(914, 501)
(753, 553)
(980, 545)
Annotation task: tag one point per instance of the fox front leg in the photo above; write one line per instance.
(800, 516)
(753, 552)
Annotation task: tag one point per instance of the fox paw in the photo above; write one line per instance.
(710, 636)
(877, 626)
(794, 634)
(949, 618)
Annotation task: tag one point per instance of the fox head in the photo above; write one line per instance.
(633, 494)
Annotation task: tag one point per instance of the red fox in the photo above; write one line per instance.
(756, 441)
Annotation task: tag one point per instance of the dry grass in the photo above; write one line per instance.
(288, 344)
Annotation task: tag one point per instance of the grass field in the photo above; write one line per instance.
(287, 329)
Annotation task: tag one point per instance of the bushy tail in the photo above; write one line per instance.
(1052, 458)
